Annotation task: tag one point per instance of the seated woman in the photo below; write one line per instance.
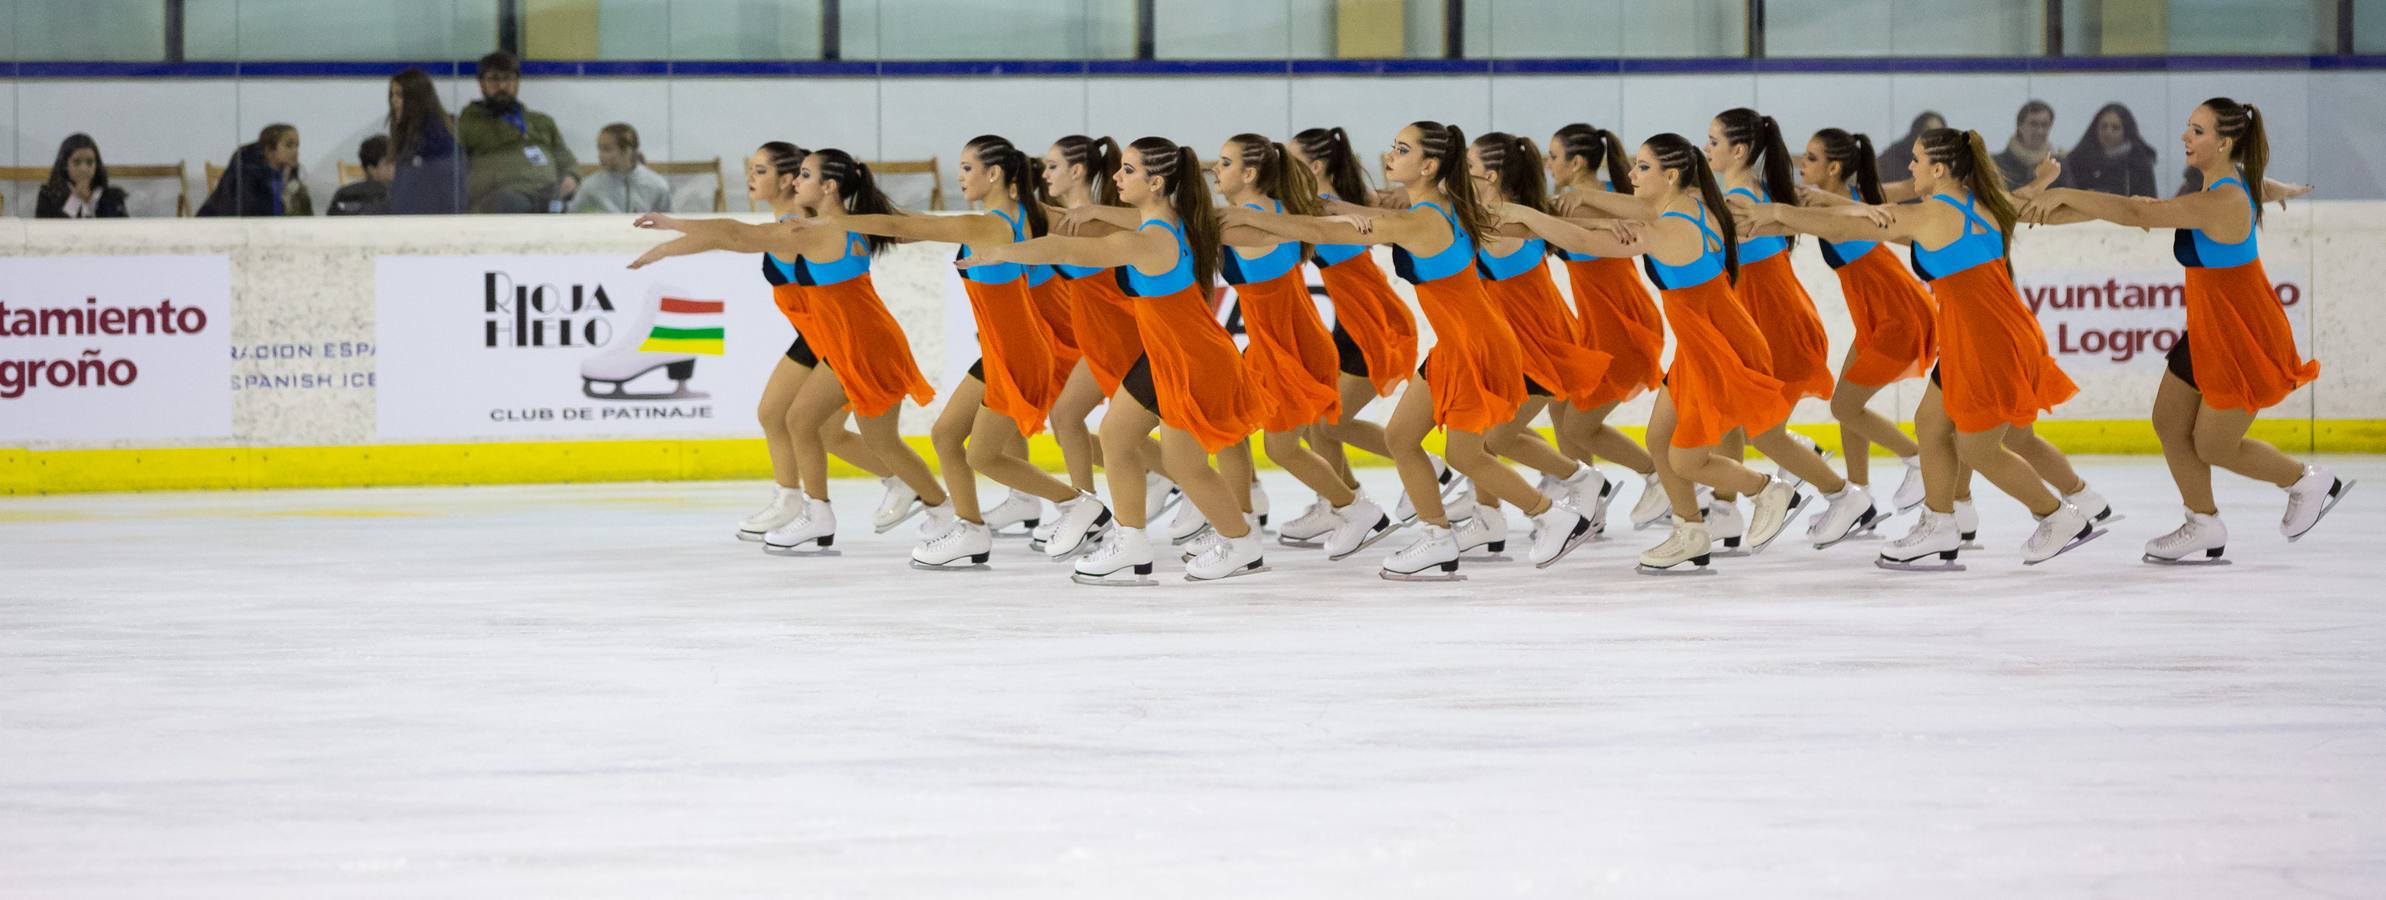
(78, 186)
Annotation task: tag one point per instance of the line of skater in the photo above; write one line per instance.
(1090, 274)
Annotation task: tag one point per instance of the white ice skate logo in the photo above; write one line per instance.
(672, 332)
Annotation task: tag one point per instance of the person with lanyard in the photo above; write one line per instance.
(2237, 356)
(1003, 401)
(1720, 380)
(1615, 316)
(1473, 381)
(517, 159)
(1190, 383)
(850, 355)
(1994, 375)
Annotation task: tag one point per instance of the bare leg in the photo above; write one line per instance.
(1126, 428)
(1680, 493)
(1285, 450)
(1986, 453)
(2220, 440)
(778, 397)
(884, 435)
(1860, 427)
(1734, 450)
(1588, 430)
(1188, 465)
(1807, 464)
(1350, 429)
(950, 436)
(1412, 419)
(1077, 448)
(1514, 440)
(997, 449)
(1234, 465)
(848, 445)
(1944, 477)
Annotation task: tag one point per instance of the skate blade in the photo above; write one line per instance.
(1674, 571)
(1302, 543)
(1238, 573)
(1107, 581)
(1862, 529)
(588, 389)
(1428, 575)
(1486, 558)
(955, 566)
(1918, 566)
(1572, 543)
(916, 508)
(1029, 531)
(2190, 562)
(800, 552)
(1187, 539)
(2075, 544)
(2344, 486)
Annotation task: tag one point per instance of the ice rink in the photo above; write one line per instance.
(594, 691)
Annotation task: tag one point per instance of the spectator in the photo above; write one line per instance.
(2029, 146)
(429, 178)
(622, 183)
(1893, 161)
(2111, 157)
(262, 179)
(78, 186)
(369, 197)
(518, 161)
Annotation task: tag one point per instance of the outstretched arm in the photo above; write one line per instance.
(1854, 222)
(1393, 227)
(2208, 209)
(1141, 249)
(976, 228)
(1604, 205)
(1609, 237)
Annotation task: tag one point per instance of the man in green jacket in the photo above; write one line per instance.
(517, 160)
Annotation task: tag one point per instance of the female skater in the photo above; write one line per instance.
(1558, 369)
(1896, 323)
(1994, 374)
(1003, 401)
(1375, 335)
(1615, 316)
(1718, 382)
(2242, 357)
(1189, 382)
(864, 362)
(1473, 381)
(1078, 175)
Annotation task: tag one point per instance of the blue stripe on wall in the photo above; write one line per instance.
(1203, 67)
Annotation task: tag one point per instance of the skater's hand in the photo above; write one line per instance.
(2048, 170)
(983, 256)
(2040, 208)
(1565, 204)
(2283, 191)
(659, 221)
(1880, 216)
(1364, 224)
(650, 257)
(1627, 231)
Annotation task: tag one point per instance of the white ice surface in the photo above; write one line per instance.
(593, 691)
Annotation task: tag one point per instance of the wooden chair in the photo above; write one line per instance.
(928, 167)
(39, 174)
(696, 170)
(350, 173)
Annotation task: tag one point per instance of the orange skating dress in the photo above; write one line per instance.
(1102, 318)
(1375, 336)
(1615, 315)
(1476, 369)
(1191, 375)
(1721, 377)
(853, 333)
(1994, 368)
(1051, 298)
(2239, 350)
(1896, 320)
(1290, 357)
(1556, 365)
(1784, 313)
(1015, 353)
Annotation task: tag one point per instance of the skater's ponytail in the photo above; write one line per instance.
(857, 189)
(1280, 177)
(1676, 154)
(2242, 123)
(1968, 161)
(1345, 177)
(1188, 193)
(1768, 153)
(1019, 171)
(1445, 146)
(1597, 147)
(1853, 154)
(1099, 156)
(1515, 165)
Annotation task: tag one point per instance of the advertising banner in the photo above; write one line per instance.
(513, 346)
(115, 347)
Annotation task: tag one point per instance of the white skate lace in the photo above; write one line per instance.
(1677, 542)
(2180, 536)
(1920, 535)
(950, 537)
(1416, 547)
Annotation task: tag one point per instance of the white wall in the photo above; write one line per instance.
(201, 120)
